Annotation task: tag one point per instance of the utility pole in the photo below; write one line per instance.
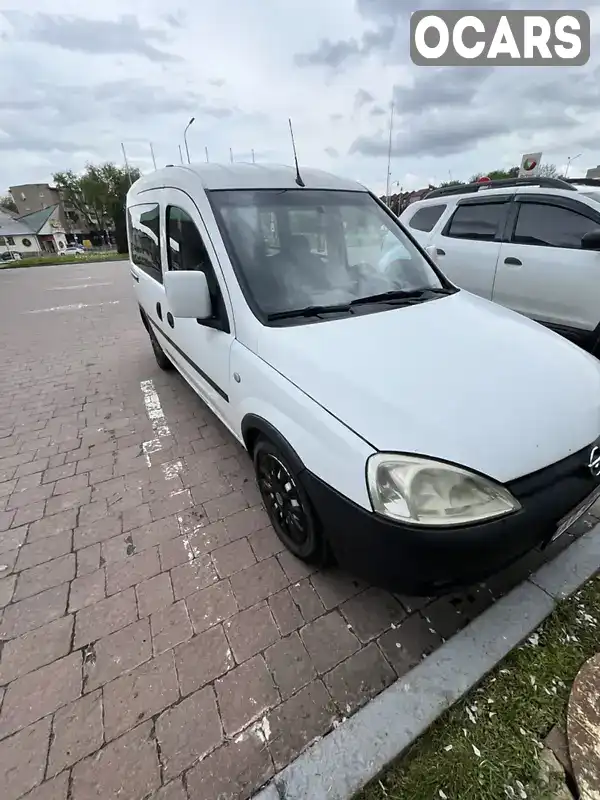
(152, 154)
(231, 155)
(206, 154)
(253, 159)
(389, 167)
(126, 163)
(180, 153)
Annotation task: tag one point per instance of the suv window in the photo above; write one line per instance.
(144, 239)
(551, 226)
(476, 221)
(426, 218)
(187, 251)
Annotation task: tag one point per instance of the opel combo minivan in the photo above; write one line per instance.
(418, 434)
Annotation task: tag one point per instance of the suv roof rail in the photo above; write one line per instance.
(470, 188)
(584, 181)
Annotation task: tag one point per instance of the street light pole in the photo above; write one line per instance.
(180, 153)
(389, 166)
(185, 138)
(569, 160)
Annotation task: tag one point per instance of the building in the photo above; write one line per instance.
(594, 172)
(32, 234)
(32, 197)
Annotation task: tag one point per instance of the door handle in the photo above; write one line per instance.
(159, 311)
(515, 262)
(170, 319)
(134, 276)
(441, 252)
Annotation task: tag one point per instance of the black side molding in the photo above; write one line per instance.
(192, 364)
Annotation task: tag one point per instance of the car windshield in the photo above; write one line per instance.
(296, 249)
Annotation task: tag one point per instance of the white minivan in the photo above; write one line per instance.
(418, 434)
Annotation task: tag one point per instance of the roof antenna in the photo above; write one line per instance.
(299, 180)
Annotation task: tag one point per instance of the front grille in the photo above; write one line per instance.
(572, 470)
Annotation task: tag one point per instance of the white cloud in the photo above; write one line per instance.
(78, 80)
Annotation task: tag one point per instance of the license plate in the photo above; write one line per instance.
(578, 512)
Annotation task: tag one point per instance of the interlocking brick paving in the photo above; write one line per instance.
(156, 639)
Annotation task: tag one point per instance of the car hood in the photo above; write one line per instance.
(456, 378)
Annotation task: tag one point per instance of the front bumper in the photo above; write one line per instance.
(428, 561)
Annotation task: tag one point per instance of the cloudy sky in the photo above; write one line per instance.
(76, 83)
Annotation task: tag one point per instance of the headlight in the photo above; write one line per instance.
(426, 492)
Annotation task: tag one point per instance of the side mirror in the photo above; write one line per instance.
(187, 294)
(431, 251)
(591, 240)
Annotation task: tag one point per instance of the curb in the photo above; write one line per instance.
(341, 763)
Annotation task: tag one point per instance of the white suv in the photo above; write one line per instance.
(424, 436)
(532, 245)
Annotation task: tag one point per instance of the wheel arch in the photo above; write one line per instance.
(254, 426)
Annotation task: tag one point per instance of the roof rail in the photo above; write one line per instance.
(584, 181)
(471, 188)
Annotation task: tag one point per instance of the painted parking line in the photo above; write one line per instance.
(73, 307)
(77, 286)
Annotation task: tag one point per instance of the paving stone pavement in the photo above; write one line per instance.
(156, 641)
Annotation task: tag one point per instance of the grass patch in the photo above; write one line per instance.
(43, 261)
(487, 746)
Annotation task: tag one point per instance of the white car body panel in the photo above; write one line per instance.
(433, 379)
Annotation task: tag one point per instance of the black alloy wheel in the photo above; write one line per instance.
(287, 504)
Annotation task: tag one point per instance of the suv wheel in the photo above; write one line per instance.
(288, 505)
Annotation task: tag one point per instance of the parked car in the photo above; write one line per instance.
(72, 250)
(420, 435)
(531, 245)
(10, 255)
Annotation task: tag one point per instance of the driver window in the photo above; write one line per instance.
(186, 251)
(185, 247)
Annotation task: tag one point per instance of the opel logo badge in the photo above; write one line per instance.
(594, 461)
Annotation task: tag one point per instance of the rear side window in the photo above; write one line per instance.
(546, 225)
(476, 221)
(426, 218)
(143, 224)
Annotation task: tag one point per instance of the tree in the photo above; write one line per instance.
(8, 204)
(98, 196)
(549, 171)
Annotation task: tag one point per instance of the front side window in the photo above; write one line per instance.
(551, 226)
(477, 221)
(186, 251)
(144, 240)
(295, 249)
(426, 218)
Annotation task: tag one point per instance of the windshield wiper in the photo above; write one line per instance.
(309, 311)
(400, 295)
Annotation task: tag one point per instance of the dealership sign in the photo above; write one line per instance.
(530, 165)
(500, 38)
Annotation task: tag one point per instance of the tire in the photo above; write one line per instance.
(161, 357)
(288, 505)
